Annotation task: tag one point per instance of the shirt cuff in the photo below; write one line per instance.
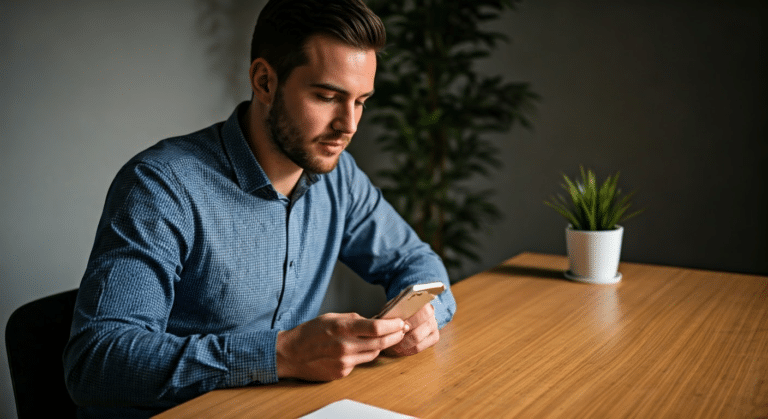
(445, 307)
(252, 358)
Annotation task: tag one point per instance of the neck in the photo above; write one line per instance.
(283, 173)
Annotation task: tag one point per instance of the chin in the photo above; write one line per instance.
(323, 165)
(325, 159)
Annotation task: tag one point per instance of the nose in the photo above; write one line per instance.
(346, 119)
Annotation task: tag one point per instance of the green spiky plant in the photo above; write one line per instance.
(435, 109)
(593, 207)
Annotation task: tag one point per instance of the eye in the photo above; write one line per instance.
(325, 98)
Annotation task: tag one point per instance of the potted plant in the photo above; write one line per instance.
(593, 237)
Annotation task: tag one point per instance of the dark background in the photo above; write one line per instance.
(671, 93)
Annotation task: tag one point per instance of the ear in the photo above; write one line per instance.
(263, 81)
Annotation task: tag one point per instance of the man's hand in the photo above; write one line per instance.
(422, 335)
(330, 346)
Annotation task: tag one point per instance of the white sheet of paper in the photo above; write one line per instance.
(350, 409)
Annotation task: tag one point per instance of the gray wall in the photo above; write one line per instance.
(84, 86)
(670, 93)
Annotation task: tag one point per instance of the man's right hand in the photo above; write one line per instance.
(330, 346)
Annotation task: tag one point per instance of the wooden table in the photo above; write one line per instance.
(526, 343)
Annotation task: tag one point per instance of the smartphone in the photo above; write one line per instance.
(410, 300)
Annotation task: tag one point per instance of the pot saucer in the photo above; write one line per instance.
(573, 277)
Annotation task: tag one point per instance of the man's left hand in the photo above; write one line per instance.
(423, 333)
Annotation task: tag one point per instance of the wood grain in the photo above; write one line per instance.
(664, 342)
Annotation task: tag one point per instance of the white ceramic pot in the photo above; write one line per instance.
(594, 255)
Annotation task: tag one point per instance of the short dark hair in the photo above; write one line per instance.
(284, 26)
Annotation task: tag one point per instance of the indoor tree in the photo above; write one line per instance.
(435, 111)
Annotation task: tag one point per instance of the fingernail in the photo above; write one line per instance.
(406, 327)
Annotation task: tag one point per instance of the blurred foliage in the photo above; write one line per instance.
(435, 111)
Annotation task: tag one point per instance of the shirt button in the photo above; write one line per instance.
(290, 264)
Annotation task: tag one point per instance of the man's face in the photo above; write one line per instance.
(316, 110)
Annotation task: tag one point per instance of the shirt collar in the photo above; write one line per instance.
(250, 176)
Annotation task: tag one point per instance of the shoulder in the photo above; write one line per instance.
(347, 183)
(201, 147)
(340, 178)
(347, 164)
(349, 180)
(170, 168)
(179, 159)
(347, 172)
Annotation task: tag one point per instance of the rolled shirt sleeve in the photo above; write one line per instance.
(383, 249)
(120, 352)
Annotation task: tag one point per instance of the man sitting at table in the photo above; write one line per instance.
(215, 249)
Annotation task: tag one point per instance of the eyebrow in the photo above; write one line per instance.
(338, 89)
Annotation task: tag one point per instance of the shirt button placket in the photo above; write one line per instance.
(290, 250)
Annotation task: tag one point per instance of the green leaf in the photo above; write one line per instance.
(593, 205)
(433, 110)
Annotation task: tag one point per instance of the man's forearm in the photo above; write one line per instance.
(128, 366)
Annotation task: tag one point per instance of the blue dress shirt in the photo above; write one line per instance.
(198, 262)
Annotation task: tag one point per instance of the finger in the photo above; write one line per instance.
(383, 342)
(374, 328)
(343, 366)
(403, 349)
(424, 314)
(361, 357)
(418, 339)
(419, 333)
(366, 344)
(427, 342)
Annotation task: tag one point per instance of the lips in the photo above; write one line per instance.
(333, 144)
(334, 138)
(332, 147)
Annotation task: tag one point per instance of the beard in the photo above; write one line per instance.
(287, 137)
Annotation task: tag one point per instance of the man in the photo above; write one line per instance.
(215, 249)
